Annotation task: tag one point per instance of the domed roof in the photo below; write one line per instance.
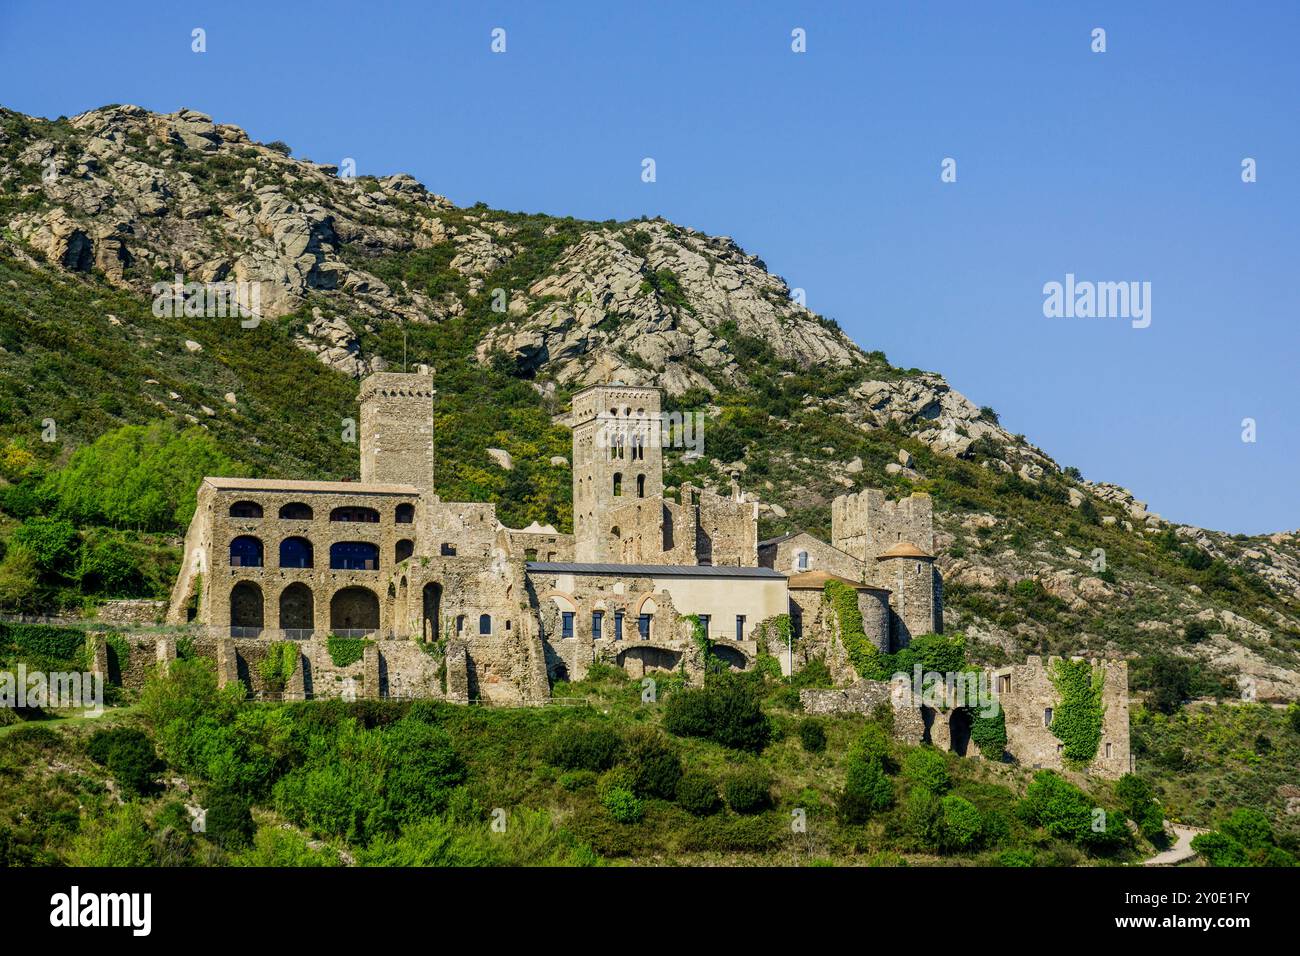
(816, 580)
(904, 549)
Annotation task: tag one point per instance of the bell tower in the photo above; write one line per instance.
(397, 429)
(617, 457)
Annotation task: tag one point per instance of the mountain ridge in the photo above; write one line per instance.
(359, 272)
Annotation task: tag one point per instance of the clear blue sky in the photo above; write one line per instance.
(1118, 166)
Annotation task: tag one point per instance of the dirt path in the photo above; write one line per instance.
(1180, 851)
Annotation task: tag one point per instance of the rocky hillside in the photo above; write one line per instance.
(514, 312)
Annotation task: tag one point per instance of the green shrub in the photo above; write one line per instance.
(874, 744)
(129, 755)
(812, 735)
(961, 824)
(1059, 807)
(726, 710)
(866, 789)
(1219, 849)
(575, 780)
(623, 805)
(1248, 827)
(748, 790)
(926, 767)
(653, 762)
(1016, 856)
(1139, 804)
(228, 822)
(697, 794)
(920, 818)
(575, 746)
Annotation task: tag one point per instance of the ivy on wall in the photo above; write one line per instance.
(989, 733)
(346, 651)
(844, 600)
(279, 664)
(1076, 721)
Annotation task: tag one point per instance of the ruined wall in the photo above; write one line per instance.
(727, 531)
(1025, 692)
(863, 697)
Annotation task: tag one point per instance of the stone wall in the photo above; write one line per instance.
(864, 697)
(865, 524)
(782, 555)
(1026, 691)
(125, 613)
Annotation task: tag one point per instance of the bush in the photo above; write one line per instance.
(1136, 796)
(866, 789)
(920, 819)
(727, 710)
(577, 780)
(228, 821)
(623, 805)
(926, 767)
(1059, 807)
(697, 794)
(1195, 631)
(748, 790)
(874, 744)
(812, 735)
(961, 825)
(1220, 849)
(1248, 827)
(653, 763)
(989, 733)
(129, 756)
(575, 746)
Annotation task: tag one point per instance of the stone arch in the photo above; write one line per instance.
(247, 614)
(959, 726)
(245, 509)
(640, 486)
(295, 552)
(404, 548)
(431, 611)
(618, 484)
(404, 513)
(296, 511)
(733, 657)
(296, 611)
(354, 609)
(246, 551)
(638, 660)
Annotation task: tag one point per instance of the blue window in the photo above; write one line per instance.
(566, 627)
(597, 619)
(295, 553)
(246, 552)
(643, 626)
(740, 627)
(354, 556)
(618, 625)
(485, 623)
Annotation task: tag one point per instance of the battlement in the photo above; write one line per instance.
(397, 429)
(866, 524)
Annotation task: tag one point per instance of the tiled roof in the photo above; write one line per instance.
(335, 487)
(652, 570)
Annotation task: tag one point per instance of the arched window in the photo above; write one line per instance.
(801, 560)
(485, 623)
(618, 484)
(640, 486)
(405, 513)
(245, 509)
(295, 553)
(246, 552)
(405, 548)
(296, 511)
(246, 613)
(296, 611)
(354, 556)
(354, 513)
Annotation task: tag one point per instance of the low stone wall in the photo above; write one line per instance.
(864, 697)
(133, 612)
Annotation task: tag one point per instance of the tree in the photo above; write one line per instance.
(1169, 683)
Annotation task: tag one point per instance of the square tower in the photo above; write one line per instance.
(617, 457)
(397, 429)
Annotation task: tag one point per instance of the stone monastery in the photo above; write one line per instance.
(454, 605)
